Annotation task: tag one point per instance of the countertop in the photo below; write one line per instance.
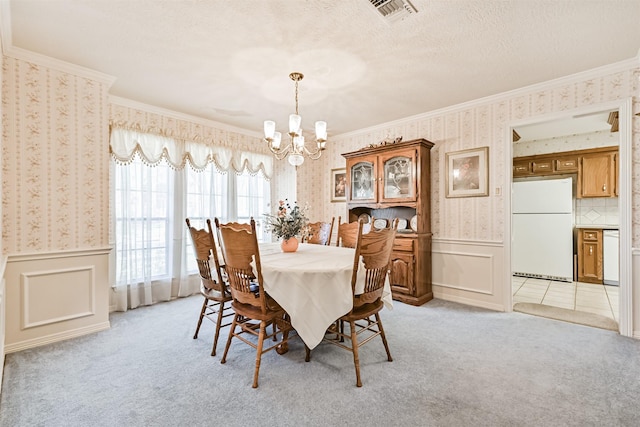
(599, 226)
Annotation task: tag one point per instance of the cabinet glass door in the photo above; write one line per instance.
(399, 178)
(362, 181)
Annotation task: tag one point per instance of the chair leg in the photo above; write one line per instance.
(384, 338)
(204, 308)
(263, 333)
(231, 332)
(354, 349)
(218, 323)
(307, 356)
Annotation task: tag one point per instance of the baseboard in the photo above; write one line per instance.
(50, 339)
(468, 301)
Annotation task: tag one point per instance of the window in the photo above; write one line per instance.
(151, 203)
(143, 221)
(254, 200)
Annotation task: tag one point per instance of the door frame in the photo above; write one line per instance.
(625, 114)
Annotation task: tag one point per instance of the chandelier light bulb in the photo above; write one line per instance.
(269, 129)
(294, 124)
(277, 137)
(321, 131)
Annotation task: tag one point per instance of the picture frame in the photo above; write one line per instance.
(467, 173)
(338, 185)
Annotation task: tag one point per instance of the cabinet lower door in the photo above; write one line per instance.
(591, 263)
(402, 273)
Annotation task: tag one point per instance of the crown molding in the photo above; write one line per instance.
(604, 70)
(5, 25)
(56, 64)
(125, 102)
(25, 55)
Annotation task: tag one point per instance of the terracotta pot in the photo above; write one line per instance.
(289, 245)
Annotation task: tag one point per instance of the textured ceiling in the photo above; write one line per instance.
(229, 61)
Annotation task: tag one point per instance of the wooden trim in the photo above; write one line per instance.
(563, 154)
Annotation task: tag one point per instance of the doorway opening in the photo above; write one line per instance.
(557, 266)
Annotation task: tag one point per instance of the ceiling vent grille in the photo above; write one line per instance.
(394, 10)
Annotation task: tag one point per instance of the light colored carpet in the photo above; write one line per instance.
(453, 365)
(566, 315)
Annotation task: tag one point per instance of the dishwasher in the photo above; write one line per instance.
(611, 250)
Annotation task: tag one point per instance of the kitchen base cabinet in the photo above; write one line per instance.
(590, 257)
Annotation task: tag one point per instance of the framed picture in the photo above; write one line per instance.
(338, 185)
(467, 173)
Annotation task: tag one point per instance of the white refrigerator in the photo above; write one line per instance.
(542, 229)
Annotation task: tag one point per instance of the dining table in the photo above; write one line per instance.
(313, 285)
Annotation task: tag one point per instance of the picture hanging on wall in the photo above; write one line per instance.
(467, 173)
(338, 185)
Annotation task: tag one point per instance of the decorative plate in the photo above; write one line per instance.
(366, 218)
(414, 223)
(380, 223)
(402, 223)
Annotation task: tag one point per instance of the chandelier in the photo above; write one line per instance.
(295, 150)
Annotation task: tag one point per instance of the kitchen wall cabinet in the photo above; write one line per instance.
(544, 165)
(590, 255)
(393, 181)
(597, 175)
(596, 168)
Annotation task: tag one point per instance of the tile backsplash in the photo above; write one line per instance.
(598, 211)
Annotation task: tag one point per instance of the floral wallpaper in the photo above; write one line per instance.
(144, 121)
(54, 160)
(480, 124)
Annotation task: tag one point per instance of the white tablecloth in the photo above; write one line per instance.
(313, 285)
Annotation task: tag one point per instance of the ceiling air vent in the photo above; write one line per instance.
(393, 10)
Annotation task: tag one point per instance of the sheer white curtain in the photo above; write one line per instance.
(145, 209)
(154, 256)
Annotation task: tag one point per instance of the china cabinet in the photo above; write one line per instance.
(393, 181)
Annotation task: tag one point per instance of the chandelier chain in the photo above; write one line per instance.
(296, 97)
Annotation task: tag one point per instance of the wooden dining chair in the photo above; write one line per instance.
(373, 249)
(213, 287)
(347, 233)
(319, 233)
(254, 309)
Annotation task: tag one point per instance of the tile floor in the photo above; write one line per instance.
(599, 299)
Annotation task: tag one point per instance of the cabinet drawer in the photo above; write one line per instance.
(404, 245)
(542, 166)
(591, 235)
(568, 164)
(521, 168)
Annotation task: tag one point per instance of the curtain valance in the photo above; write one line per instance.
(152, 149)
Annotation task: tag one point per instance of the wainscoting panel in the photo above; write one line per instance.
(634, 304)
(55, 296)
(2, 316)
(76, 287)
(469, 272)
